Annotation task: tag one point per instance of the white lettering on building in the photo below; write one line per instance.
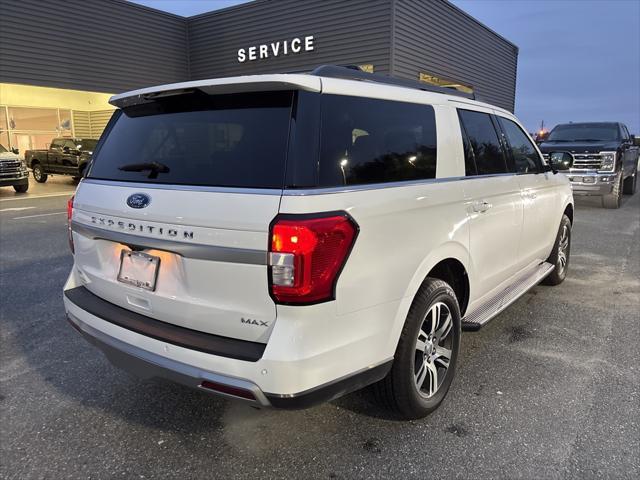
(275, 49)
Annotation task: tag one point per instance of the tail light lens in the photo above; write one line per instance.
(307, 255)
(69, 216)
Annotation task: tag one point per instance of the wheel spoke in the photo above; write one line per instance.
(432, 372)
(442, 357)
(445, 327)
(420, 345)
(435, 317)
(421, 375)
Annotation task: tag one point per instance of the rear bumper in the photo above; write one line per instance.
(592, 183)
(158, 350)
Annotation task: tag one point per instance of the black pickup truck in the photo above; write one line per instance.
(65, 156)
(603, 158)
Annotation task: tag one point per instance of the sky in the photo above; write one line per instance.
(579, 60)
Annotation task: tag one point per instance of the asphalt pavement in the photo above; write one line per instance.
(549, 389)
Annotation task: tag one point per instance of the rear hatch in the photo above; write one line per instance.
(191, 181)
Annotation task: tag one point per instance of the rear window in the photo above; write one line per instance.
(237, 140)
(366, 140)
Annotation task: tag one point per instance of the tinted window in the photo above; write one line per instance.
(469, 160)
(584, 132)
(366, 140)
(235, 140)
(484, 142)
(56, 143)
(523, 152)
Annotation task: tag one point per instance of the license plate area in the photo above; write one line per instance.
(138, 269)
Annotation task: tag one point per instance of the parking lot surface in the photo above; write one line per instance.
(549, 389)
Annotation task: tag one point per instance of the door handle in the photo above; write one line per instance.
(481, 206)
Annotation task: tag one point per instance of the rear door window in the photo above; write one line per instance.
(523, 153)
(237, 140)
(484, 142)
(365, 141)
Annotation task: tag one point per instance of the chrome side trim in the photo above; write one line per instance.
(185, 188)
(146, 364)
(506, 297)
(378, 186)
(189, 250)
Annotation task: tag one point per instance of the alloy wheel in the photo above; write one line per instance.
(563, 250)
(433, 349)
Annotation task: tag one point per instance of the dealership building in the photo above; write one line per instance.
(59, 64)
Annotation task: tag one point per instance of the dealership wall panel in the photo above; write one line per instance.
(345, 32)
(113, 45)
(437, 38)
(94, 45)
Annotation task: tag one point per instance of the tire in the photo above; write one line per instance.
(419, 358)
(21, 188)
(560, 254)
(614, 199)
(38, 173)
(630, 183)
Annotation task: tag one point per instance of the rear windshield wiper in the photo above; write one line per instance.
(588, 140)
(154, 168)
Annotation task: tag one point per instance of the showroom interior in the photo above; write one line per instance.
(52, 85)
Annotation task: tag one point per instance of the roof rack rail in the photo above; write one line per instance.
(352, 72)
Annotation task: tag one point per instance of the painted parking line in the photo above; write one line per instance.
(39, 215)
(15, 209)
(44, 195)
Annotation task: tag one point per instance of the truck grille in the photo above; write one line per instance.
(10, 168)
(587, 161)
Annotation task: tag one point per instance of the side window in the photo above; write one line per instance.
(484, 142)
(366, 140)
(524, 154)
(470, 168)
(56, 144)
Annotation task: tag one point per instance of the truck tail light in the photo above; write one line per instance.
(307, 254)
(69, 215)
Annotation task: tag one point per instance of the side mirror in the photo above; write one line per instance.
(15, 150)
(634, 140)
(560, 160)
(66, 149)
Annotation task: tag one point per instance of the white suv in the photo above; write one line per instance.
(287, 239)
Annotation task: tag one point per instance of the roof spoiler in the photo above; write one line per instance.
(352, 72)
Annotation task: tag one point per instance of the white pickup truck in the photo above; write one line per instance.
(287, 239)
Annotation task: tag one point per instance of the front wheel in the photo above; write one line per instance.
(614, 199)
(560, 254)
(21, 188)
(38, 173)
(630, 183)
(425, 359)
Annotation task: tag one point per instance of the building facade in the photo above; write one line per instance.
(59, 65)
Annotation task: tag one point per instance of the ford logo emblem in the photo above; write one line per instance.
(138, 200)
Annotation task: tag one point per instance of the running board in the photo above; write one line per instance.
(492, 307)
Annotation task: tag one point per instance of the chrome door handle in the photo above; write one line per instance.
(481, 206)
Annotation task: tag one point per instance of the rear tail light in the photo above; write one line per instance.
(69, 216)
(307, 255)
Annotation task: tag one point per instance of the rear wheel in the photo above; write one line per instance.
(630, 183)
(38, 173)
(425, 359)
(560, 254)
(21, 188)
